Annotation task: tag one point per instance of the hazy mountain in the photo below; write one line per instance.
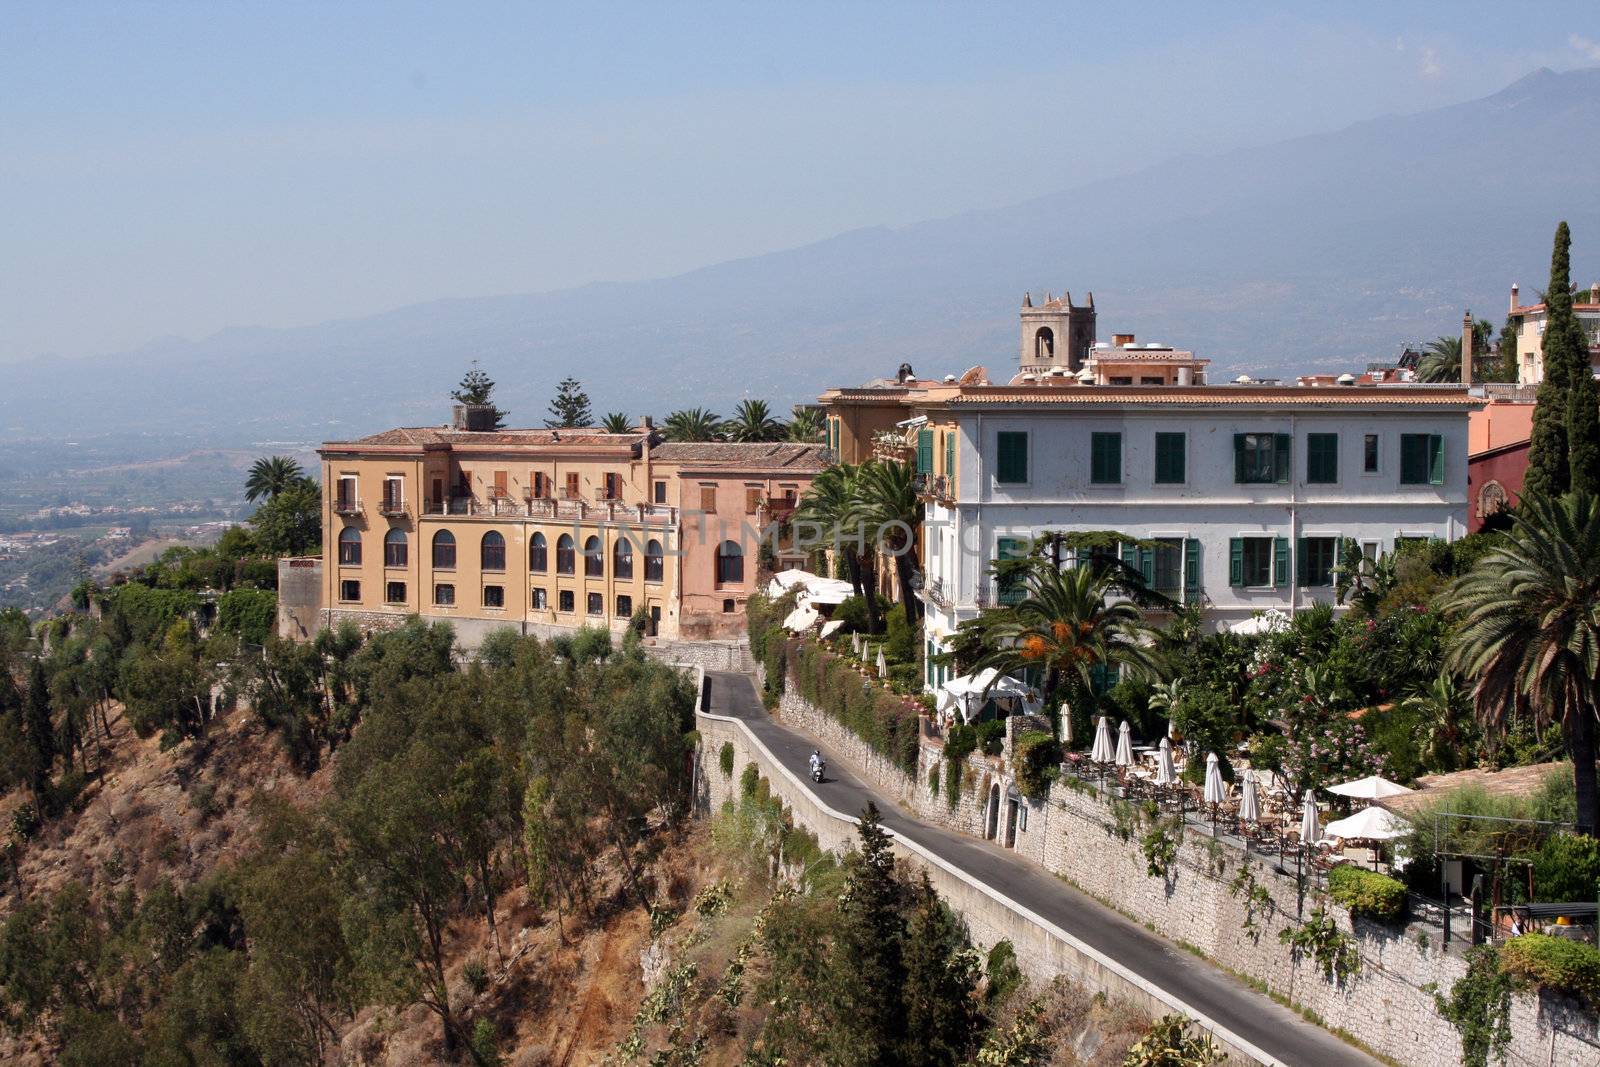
(1323, 252)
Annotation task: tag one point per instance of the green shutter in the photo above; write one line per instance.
(1322, 458)
(1280, 561)
(924, 451)
(1169, 458)
(1281, 457)
(1147, 566)
(1130, 555)
(1238, 460)
(1012, 465)
(1105, 458)
(1013, 590)
(1413, 458)
(1435, 459)
(1302, 569)
(950, 455)
(1191, 570)
(1236, 561)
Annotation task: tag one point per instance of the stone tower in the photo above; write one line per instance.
(1056, 334)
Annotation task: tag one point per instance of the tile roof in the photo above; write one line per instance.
(442, 435)
(780, 454)
(1205, 396)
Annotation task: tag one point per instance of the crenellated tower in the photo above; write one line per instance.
(1056, 333)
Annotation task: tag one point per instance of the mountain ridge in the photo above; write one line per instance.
(1325, 250)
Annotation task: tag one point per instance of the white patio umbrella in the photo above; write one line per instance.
(883, 664)
(1309, 834)
(1249, 802)
(1124, 756)
(1267, 622)
(1369, 824)
(855, 643)
(1216, 792)
(1101, 751)
(1166, 774)
(784, 581)
(826, 591)
(831, 628)
(1372, 787)
(800, 620)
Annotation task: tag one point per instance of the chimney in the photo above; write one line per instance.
(1514, 302)
(1594, 293)
(474, 417)
(1466, 347)
(646, 423)
(1122, 340)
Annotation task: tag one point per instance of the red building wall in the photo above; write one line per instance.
(1494, 475)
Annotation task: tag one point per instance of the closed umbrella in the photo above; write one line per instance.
(883, 664)
(1249, 802)
(1125, 745)
(1166, 774)
(1309, 833)
(855, 643)
(1101, 752)
(1216, 792)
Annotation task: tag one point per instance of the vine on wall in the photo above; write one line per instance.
(1479, 1007)
(1320, 938)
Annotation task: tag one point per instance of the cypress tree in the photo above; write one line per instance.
(38, 732)
(1548, 470)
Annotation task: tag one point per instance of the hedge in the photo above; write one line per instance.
(1554, 963)
(886, 722)
(1367, 894)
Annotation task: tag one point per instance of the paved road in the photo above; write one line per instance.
(1210, 991)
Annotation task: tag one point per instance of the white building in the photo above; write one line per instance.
(1530, 320)
(1249, 489)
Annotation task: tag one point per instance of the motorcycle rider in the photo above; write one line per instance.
(816, 763)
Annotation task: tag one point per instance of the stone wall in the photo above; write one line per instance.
(299, 597)
(1198, 903)
(710, 655)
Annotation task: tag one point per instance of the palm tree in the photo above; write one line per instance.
(616, 422)
(1441, 360)
(753, 421)
(827, 506)
(271, 475)
(1529, 616)
(1064, 625)
(807, 426)
(694, 424)
(886, 504)
(1440, 707)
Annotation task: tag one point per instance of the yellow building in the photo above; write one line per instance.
(547, 530)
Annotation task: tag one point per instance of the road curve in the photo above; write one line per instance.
(1212, 992)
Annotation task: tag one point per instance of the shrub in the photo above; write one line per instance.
(1038, 760)
(252, 614)
(749, 779)
(476, 974)
(1554, 963)
(1367, 894)
(1168, 1043)
(725, 759)
(1567, 867)
(852, 611)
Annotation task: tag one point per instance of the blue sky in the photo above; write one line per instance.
(176, 169)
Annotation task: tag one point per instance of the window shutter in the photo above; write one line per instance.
(1280, 561)
(1236, 561)
(1281, 457)
(1436, 459)
(1191, 570)
(1130, 556)
(1238, 461)
(949, 455)
(1302, 569)
(1413, 458)
(1147, 566)
(1013, 457)
(924, 451)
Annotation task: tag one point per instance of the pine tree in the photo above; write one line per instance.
(1548, 470)
(941, 984)
(867, 968)
(38, 732)
(570, 408)
(478, 388)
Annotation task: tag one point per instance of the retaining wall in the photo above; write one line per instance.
(1077, 836)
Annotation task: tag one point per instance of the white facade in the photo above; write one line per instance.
(1236, 547)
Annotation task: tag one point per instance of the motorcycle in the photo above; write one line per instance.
(817, 772)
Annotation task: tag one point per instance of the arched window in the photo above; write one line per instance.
(622, 557)
(653, 562)
(564, 555)
(349, 547)
(730, 562)
(594, 558)
(394, 548)
(538, 554)
(1044, 345)
(444, 550)
(493, 553)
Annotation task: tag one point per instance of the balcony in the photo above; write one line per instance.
(346, 506)
(392, 507)
(934, 593)
(936, 486)
(565, 508)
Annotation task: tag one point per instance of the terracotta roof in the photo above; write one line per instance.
(1206, 396)
(1512, 782)
(1577, 305)
(438, 435)
(780, 454)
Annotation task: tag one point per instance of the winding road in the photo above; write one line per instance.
(1210, 991)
